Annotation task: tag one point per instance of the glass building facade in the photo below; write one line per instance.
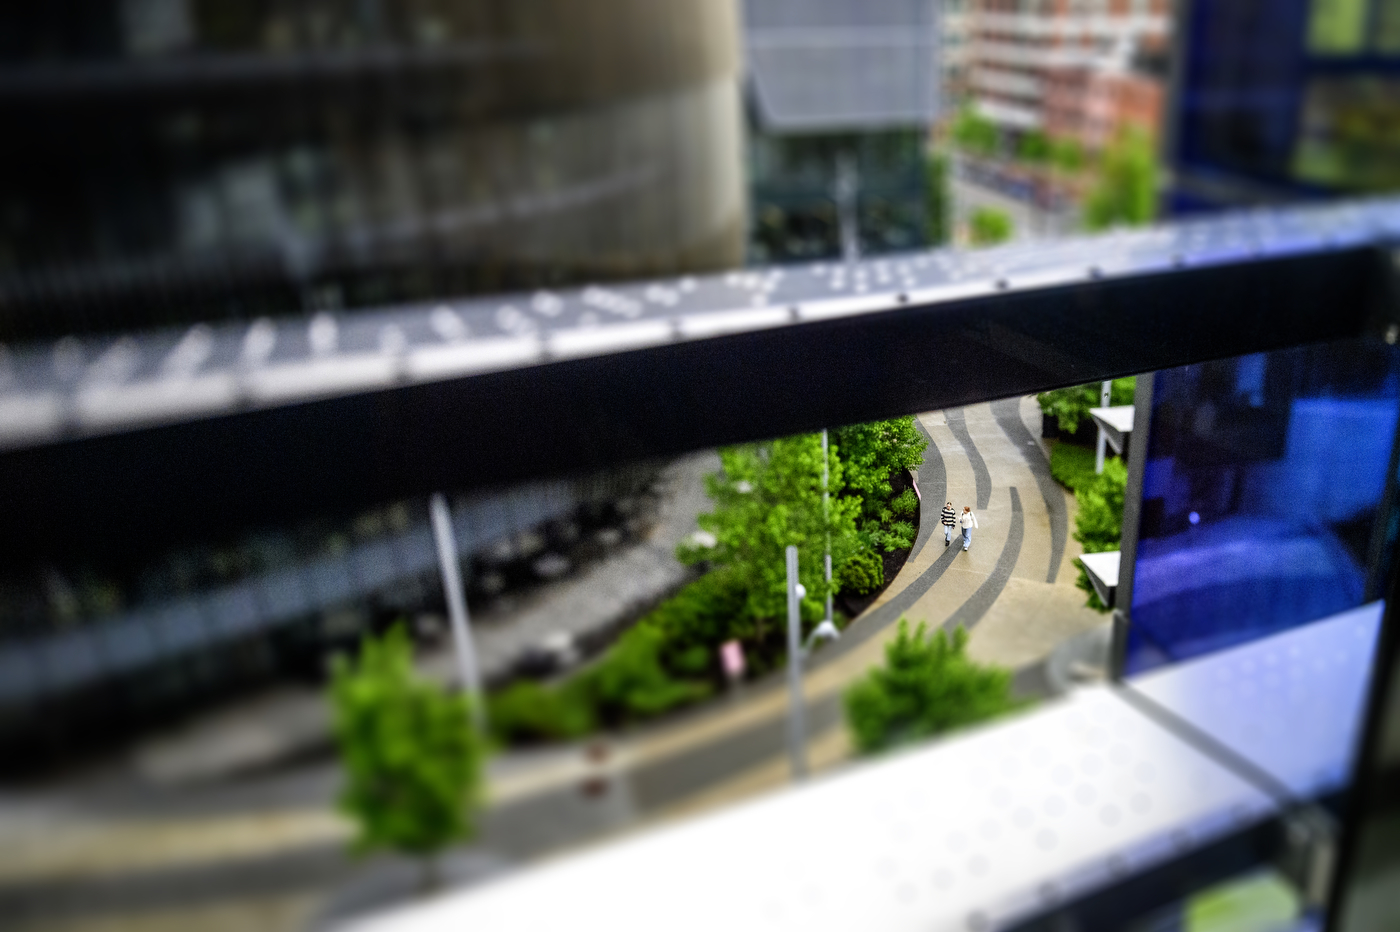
(171, 162)
(1278, 100)
(178, 160)
(1264, 497)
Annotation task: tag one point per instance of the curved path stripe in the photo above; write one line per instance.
(933, 486)
(875, 620)
(957, 423)
(1008, 415)
(971, 611)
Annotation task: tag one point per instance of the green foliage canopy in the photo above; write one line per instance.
(863, 573)
(768, 497)
(412, 757)
(1099, 524)
(1067, 154)
(975, 133)
(1126, 191)
(989, 226)
(1034, 147)
(927, 687)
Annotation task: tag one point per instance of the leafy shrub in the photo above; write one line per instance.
(1034, 147)
(1071, 405)
(863, 573)
(1099, 524)
(411, 755)
(1072, 465)
(905, 504)
(927, 687)
(975, 133)
(527, 711)
(899, 536)
(1126, 192)
(989, 226)
(630, 682)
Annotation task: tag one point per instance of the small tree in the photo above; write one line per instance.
(869, 454)
(1067, 155)
(927, 687)
(768, 496)
(975, 134)
(1099, 524)
(989, 226)
(1034, 147)
(412, 757)
(1126, 191)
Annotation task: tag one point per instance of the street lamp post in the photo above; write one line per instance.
(456, 605)
(826, 519)
(1105, 396)
(797, 732)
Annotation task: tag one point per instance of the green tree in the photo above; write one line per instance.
(989, 226)
(1126, 190)
(870, 453)
(975, 134)
(1099, 524)
(412, 758)
(937, 201)
(1067, 154)
(1034, 147)
(769, 496)
(927, 687)
(1071, 405)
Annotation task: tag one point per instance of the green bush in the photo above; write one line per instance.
(863, 573)
(1126, 191)
(905, 503)
(527, 712)
(989, 226)
(927, 687)
(1071, 465)
(1071, 405)
(899, 536)
(975, 133)
(1067, 154)
(1099, 524)
(630, 682)
(1034, 147)
(411, 755)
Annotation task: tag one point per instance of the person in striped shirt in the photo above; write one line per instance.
(949, 517)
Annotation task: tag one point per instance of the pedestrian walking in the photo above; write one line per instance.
(950, 517)
(968, 521)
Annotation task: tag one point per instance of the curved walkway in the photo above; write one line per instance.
(1014, 590)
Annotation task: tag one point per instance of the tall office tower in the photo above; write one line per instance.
(176, 160)
(1069, 68)
(841, 94)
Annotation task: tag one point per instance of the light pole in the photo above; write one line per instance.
(1105, 396)
(826, 519)
(797, 732)
(457, 605)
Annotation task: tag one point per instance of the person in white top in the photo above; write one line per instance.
(967, 521)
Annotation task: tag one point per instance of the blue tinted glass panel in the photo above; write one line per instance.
(1261, 494)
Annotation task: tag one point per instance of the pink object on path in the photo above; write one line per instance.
(731, 657)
